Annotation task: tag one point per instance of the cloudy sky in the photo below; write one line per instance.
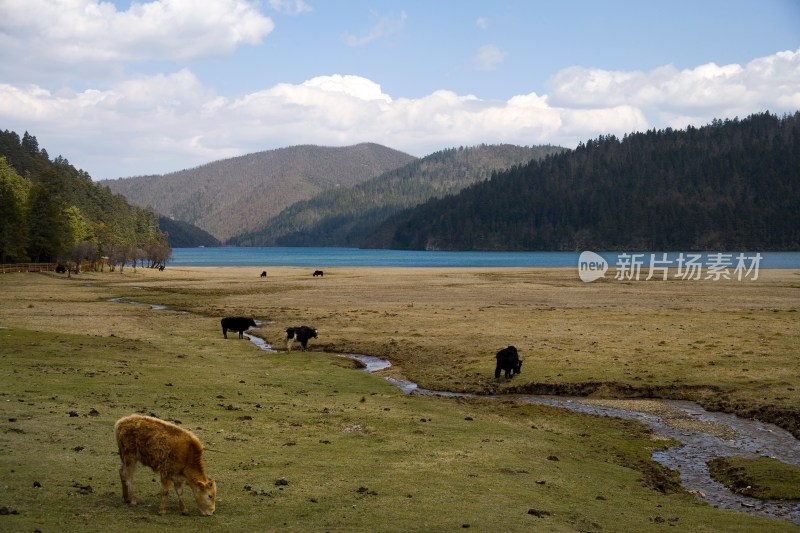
(127, 88)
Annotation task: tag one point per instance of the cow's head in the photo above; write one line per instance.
(205, 494)
(518, 369)
(252, 323)
(314, 334)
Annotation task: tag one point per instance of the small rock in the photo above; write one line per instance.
(538, 512)
(281, 482)
(552, 458)
(94, 412)
(37, 485)
(73, 414)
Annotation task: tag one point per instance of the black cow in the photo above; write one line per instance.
(302, 334)
(61, 269)
(236, 323)
(508, 361)
(318, 273)
(264, 274)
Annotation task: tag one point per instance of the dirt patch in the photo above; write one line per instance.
(783, 417)
(708, 396)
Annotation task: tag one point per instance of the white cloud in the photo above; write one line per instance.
(689, 96)
(82, 34)
(488, 57)
(160, 123)
(482, 23)
(384, 27)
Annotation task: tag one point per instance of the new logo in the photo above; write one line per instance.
(591, 266)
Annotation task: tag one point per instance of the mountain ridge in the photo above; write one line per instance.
(230, 196)
(344, 216)
(730, 185)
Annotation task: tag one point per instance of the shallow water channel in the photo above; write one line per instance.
(704, 435)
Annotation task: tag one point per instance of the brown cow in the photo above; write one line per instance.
(171, 451)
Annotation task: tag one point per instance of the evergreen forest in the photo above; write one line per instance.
(730, 185)
(344, 216)
(51, 212)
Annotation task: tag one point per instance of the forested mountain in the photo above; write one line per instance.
(184, 235)
(346, 215)
(231, 196)
(731, 185)
(50, 211)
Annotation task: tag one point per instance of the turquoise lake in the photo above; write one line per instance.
(356, 257)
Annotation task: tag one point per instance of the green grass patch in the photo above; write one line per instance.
(763, 477)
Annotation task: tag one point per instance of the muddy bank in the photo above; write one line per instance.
(711, 398)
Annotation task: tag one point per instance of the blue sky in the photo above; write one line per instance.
(123, 89)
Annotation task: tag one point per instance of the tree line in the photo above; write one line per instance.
(730, 185)
(51, 212)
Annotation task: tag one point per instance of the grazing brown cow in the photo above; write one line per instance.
(171, 451)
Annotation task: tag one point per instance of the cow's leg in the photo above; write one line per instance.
(289, 344)
(179, 491)
(126, 472)
(165, 482)
(241, 334)
(497, 372)
(225, 333)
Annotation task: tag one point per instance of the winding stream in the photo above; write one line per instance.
(704, 435)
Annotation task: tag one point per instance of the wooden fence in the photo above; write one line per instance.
(27, 267)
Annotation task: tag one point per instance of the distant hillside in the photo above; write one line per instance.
(184, 235)
(240, 194)
(732, 185)
(345, 216)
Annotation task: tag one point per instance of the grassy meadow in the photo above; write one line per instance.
(303, 441)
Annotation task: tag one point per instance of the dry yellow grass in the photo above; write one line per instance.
(730, 345)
